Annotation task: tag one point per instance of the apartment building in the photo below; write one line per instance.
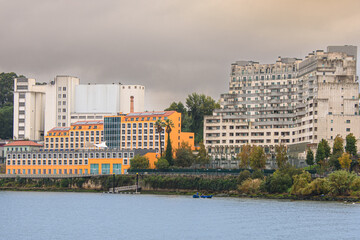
(292, 102)
(137, 131)
(40, 107)
(80, 135)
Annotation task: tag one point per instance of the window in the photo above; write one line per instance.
(347, 121)
(348, 129)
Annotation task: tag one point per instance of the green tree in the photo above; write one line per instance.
(345, 161)
(184, 155)
(281, 156)
(338, 150)
(257, 158)
(310, 157)
(199, 106)
(7, 88)
(202, 157)
(159, 125)
(244, 156)
(139, 162)
(320, 154)
(6, 104)
(168, 124)
(162, 163)
(350, 146)
(338, 147)
(185, 119)
(326, 146)
(6, 122)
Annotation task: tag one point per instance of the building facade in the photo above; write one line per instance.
(80, 135)
(40, 107)
(137, 131)
(68, 162)
(291, 102)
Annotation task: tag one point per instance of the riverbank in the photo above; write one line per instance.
(219, 186)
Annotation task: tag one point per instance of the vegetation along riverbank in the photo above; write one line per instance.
(285, 183)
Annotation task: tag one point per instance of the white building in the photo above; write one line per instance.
(292, 102)
(40, 107)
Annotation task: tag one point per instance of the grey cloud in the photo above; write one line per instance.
(172, 47)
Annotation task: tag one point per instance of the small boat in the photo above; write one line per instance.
(196, 195)
(206, 196)
(201, 196)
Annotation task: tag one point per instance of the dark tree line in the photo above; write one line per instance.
(6, 104)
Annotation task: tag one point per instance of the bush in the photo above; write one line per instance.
(300, 182)
(250, 186)
(355, 185)
(277, 183)
(317, 187)
(162, 163)
(257, 174)
(243, 176)
(64, 183)
(340, 182)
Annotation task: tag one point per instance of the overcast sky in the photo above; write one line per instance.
(172, 47)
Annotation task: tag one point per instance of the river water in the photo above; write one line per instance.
(47, 215)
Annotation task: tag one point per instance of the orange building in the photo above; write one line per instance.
(137, 131)
(82, 134)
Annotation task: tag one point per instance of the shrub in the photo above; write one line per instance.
(257, 174)
(279, 182)
(250, 186)
(243, 176)
(139, 162)
(162, 163)
(340, 182)
(317, 187)
(300, 182)
(355, 185)
(64, 183)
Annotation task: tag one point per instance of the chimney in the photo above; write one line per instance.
(131, 104)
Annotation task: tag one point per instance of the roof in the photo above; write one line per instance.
(150, 114)
(87, 123)
(59, 129)
(23, 143)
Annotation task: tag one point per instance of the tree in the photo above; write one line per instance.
(338, 147)
(184, 155)
(198, 106)
(159, 128)
(257, 158)
(310, 157)
(320, 154)
(139, 162)
(162, 163)
(168, 124)
(244, 156)
(338, 150)
(185, 119)
(350, 146)
(7, 88)
(345, 161)
(6, 104)
(281, 156)
(6, 122)
(202, 157)
(326, 147)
